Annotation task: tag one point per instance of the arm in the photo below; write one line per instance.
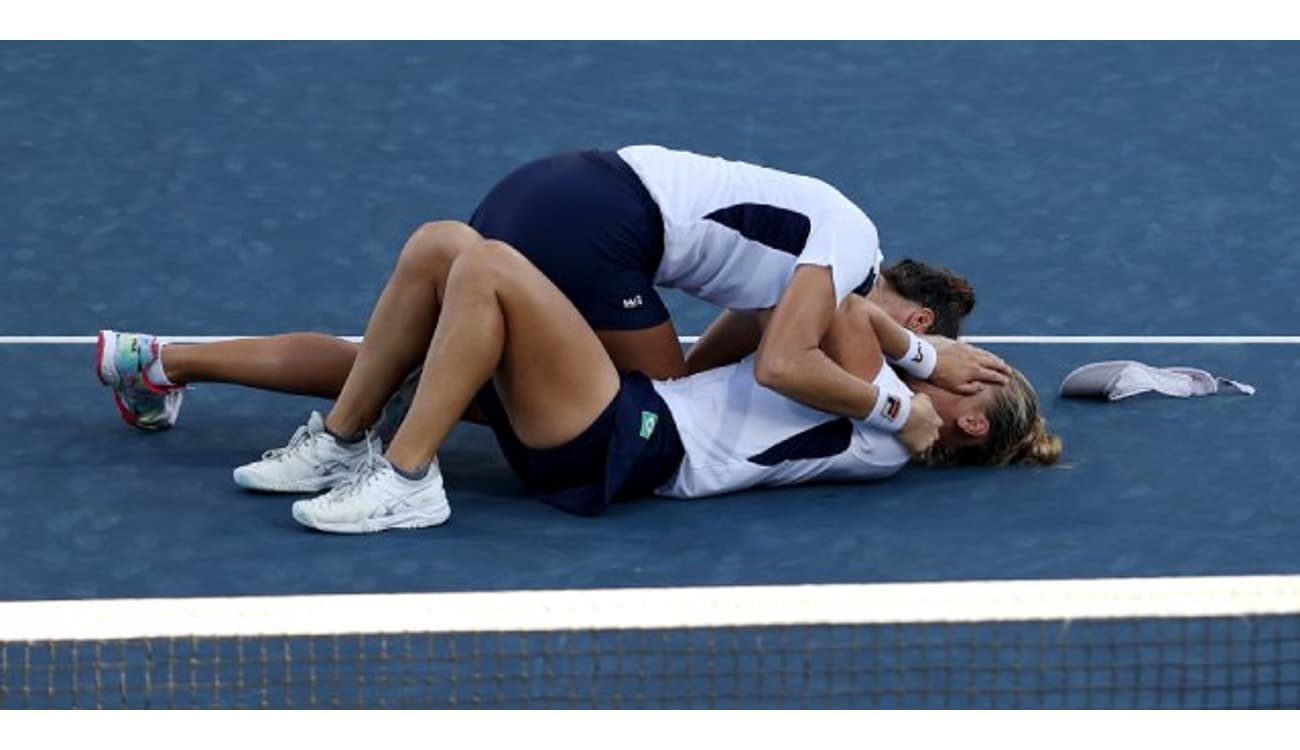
(790, 358)
(871, 332)
(894, 338)
(728, 339)
(852, 342)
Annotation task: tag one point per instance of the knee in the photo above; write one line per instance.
(443, 232)
(486, 262)
(434, 246)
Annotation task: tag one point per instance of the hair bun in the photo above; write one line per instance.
(1042, 447)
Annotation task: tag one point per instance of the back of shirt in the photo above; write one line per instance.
(734, 232)
(738, 434)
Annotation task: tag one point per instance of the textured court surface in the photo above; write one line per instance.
(253, 188)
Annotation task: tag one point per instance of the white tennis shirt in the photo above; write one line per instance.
(734, 232)
(738, 434)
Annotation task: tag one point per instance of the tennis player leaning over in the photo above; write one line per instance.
(778, 251)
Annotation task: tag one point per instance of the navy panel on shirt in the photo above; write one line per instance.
(825, 440)
(865, 287)
(778, 228)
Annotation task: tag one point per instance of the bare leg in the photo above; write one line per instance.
(654, 351)
(309, 364)
(515, 328)
(401, 326)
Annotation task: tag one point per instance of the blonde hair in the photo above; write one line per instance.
(1017, 433)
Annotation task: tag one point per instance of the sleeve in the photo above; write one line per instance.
(848, 245)
(878, 455)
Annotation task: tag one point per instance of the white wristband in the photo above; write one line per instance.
(893, 406)
(920, 359)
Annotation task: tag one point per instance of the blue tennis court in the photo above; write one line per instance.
(1104, 189)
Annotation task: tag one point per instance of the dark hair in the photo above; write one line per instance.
(949, 295)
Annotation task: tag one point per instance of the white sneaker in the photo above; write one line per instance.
(312, 461)
(375, 499)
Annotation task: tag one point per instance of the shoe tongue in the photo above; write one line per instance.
(315, 423)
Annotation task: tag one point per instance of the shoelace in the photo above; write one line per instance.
(366, 472)
(300, 436)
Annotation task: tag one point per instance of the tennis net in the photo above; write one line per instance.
(1122, 643)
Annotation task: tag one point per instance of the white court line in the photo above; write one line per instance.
(1239, 340)
(634, 609)
(1132, 339)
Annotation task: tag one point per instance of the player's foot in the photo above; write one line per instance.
(313, 460)
(123, 361)
(375, 499)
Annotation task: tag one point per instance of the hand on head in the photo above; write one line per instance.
(964, 369)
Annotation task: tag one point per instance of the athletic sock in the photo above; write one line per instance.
(353, 440)
(156, 373)
(411, 476)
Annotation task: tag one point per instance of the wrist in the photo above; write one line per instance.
(892, 408)
(920, 359)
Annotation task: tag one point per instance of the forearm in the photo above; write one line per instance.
(728, 339)
(894, 339)
(836, 376)
(792, 356)
(812, 378)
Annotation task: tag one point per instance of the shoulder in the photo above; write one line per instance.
(842, 214)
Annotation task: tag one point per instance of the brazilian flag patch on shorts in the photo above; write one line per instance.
(648, 421)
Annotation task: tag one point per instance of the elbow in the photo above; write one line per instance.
(772, 370)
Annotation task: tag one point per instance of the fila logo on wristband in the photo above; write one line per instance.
(892, 407)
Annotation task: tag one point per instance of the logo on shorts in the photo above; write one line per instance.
(892, 407)
(631, 303)
(648, 421)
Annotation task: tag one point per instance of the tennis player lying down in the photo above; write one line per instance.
(584, 436)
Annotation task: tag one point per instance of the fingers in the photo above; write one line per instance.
(978, 382)
(995, 363)
(986, 358)
(989, 367)
(990, 375)
(965, 369)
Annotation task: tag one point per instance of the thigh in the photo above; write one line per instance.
(554, 377)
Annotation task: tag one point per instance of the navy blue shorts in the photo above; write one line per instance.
(590, 226)
(632, 448)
